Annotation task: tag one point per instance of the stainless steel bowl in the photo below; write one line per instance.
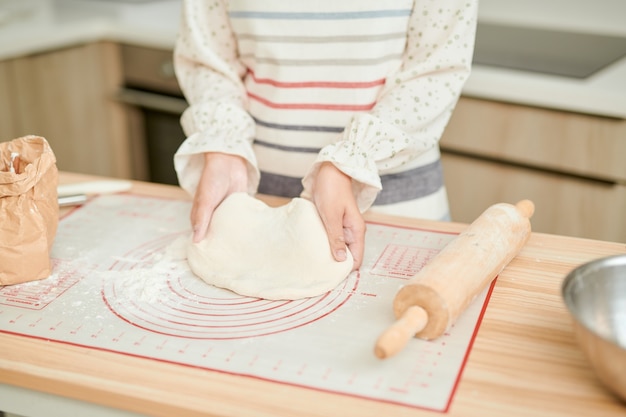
(595, 295)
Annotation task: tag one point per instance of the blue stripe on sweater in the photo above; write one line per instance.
(285, 148)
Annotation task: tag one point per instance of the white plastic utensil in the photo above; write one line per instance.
(94, 187)
(77, 193)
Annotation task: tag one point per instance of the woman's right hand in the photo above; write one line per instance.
(223, 174)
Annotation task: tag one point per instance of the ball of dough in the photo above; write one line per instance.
(274, 253)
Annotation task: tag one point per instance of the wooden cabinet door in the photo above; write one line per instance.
(8, 119)
(66, 96)
(564, 205)
(577, 144)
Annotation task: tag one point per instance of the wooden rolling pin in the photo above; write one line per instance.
(435, 297)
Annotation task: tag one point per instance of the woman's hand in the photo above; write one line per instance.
(335, 202)
(223, 174)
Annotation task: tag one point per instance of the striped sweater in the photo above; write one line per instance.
(289, 84)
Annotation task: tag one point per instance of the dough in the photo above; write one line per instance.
(264, 252)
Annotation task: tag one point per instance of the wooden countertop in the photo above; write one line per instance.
(524, 361)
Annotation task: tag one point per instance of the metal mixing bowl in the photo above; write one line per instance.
(595, 295)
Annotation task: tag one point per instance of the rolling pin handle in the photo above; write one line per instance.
(393, 340)
(526, 208)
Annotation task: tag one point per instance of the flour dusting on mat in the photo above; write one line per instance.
(146, 280)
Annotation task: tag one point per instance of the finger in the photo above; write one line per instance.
(201, 214)
(355, 239)
(336, 238)
(200, 227)
(354, 233)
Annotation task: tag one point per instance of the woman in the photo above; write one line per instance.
(342, 102)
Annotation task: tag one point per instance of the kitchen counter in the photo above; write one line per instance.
(524, 359)
(34, 26)
(603, 93)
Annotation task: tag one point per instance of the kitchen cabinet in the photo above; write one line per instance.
(67, 96)
(8, 120)
(571, 165)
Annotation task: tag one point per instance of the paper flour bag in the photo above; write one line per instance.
(29, 210)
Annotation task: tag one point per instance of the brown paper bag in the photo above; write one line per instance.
(29, 210)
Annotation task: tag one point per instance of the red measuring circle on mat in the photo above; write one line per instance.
(165, 297)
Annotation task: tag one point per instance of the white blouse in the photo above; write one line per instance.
(289, 84)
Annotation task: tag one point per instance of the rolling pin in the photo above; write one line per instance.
(437, 295)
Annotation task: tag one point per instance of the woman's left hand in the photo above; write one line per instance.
(336, 205)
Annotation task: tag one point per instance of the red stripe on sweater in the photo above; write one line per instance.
(316, 84)
(312, 106)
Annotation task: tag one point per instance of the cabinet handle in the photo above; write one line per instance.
(152, 101)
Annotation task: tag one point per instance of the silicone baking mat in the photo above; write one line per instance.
(121, 283)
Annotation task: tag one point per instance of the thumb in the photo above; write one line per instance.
(336, 238)
(201, 214)
(200, 226)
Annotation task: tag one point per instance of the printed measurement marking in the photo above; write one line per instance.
(230, 357)
(55, 326)
(118, 337)
(205, 354)
(140, 341)
(253, 361)
(96, 334)
(399, 390)
(400, 261)
(378, 383)
(13, 321)
(352, 378)
(36, 295)
(301, 370)
(35, 323)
